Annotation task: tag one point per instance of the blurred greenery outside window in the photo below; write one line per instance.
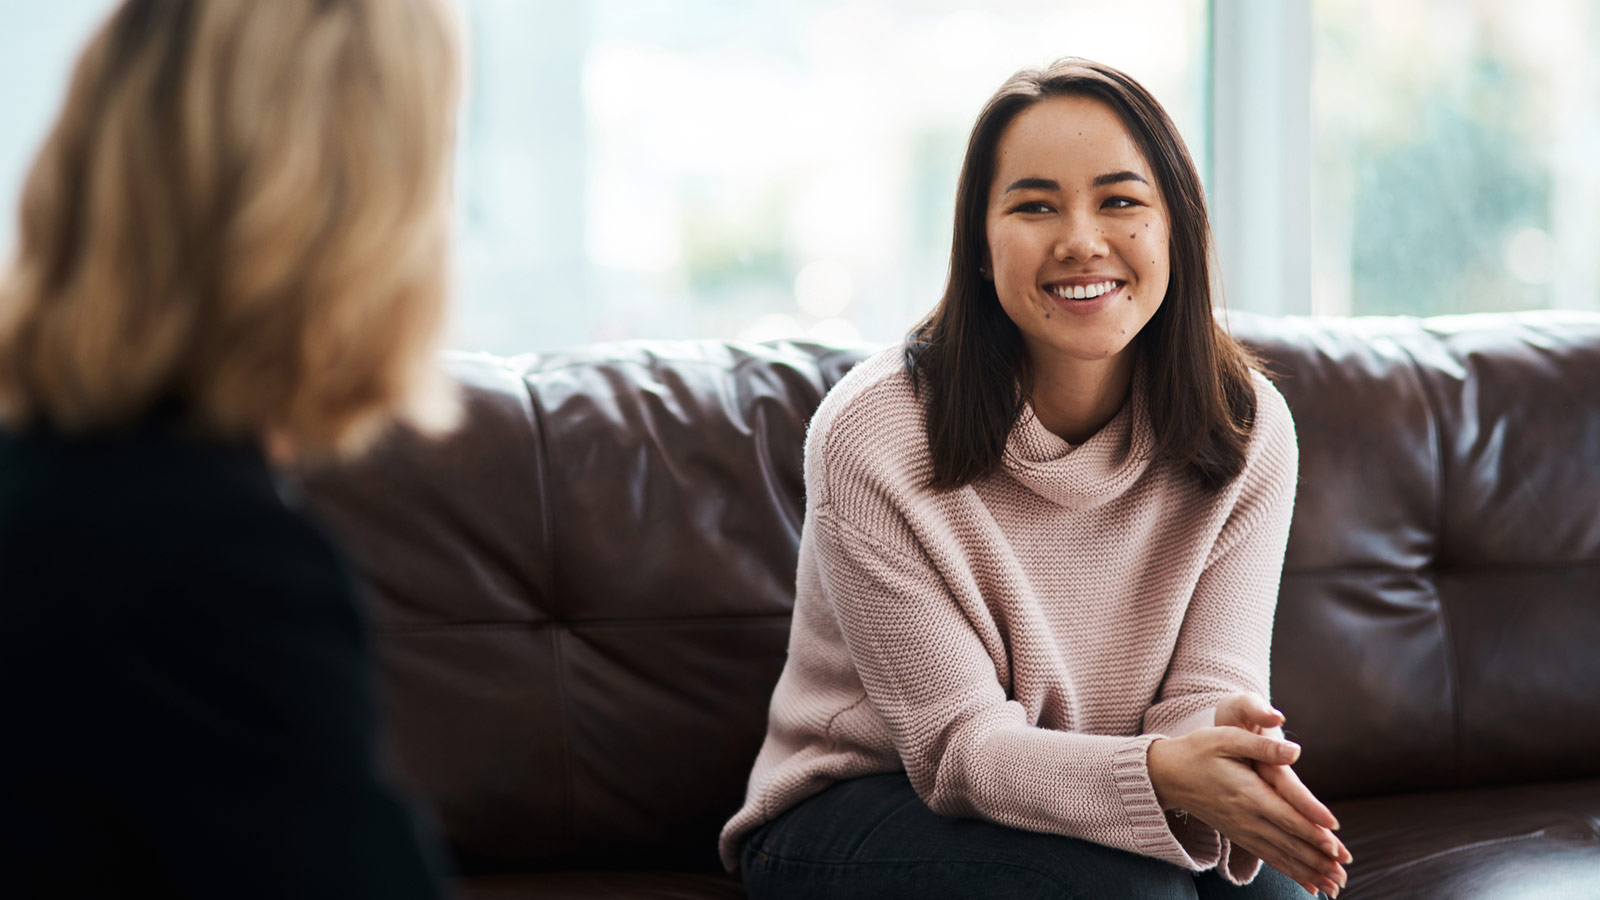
(706, 168)
(1456, 161)
(712, 168)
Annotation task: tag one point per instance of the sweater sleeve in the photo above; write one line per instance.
(1224, 645)
(968, 749)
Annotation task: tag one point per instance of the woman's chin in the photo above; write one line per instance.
(1079, 351)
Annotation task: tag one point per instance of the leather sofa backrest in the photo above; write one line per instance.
(1439, 620)
(582, 597)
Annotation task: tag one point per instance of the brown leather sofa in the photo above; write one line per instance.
(583, 599)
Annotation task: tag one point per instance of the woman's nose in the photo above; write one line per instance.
(1081, 239)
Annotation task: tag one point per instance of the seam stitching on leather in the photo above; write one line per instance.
(1432, 406)
(542, 478)
(562, 696)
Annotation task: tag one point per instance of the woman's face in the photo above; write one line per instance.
(1077, 232)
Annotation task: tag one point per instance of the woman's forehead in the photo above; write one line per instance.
(1069, 139)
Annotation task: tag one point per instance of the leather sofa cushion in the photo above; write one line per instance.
(1484, 844)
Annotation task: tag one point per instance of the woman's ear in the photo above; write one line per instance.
(986, 268)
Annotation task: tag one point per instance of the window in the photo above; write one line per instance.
(713, 169)
(38, 47)
(1457, 156)
(710, 168)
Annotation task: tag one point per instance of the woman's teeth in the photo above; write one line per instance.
(1083, 291)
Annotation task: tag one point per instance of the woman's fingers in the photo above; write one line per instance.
(1248, 711)
(1269, 852)
(1310, 843)
(1289, 786)
(1228, 786)
(1242, 744)
(1306, 863)
(1271, 819)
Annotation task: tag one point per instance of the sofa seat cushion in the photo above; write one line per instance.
(1540, 840)
(603, 886)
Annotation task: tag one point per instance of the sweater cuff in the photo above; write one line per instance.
(1153, 835)
(1199, 840)
(1238, 865)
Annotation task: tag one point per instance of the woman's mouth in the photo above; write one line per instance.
(1085, 291)
(1086, 299)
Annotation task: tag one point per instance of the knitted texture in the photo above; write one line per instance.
(1016, 645)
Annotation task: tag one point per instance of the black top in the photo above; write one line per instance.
(185, 684)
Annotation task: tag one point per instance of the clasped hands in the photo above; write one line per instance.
(1237, 780)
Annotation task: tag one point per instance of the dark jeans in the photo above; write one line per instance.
(874, 838)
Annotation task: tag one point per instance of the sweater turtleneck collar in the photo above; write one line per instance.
(1089, 474)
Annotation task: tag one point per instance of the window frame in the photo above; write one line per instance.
(1259, 155)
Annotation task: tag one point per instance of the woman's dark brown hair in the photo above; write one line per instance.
(967, 357)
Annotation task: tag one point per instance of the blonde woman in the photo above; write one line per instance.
(232, 256)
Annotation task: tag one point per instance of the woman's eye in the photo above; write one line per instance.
(1033, 206)
(1121, 203)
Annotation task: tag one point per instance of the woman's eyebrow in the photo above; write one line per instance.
(1033, 184)
(1114, 177)
(1050, 184)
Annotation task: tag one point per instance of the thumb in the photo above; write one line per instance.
(1248, 710)
(1262, 748)
(1262, 712)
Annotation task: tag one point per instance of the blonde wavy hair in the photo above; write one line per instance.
(243, 213)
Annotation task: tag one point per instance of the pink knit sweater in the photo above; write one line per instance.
(1016, 645)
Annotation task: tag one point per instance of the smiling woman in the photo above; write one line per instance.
(1089, 240)
(1083, 163)
(1040, 558)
